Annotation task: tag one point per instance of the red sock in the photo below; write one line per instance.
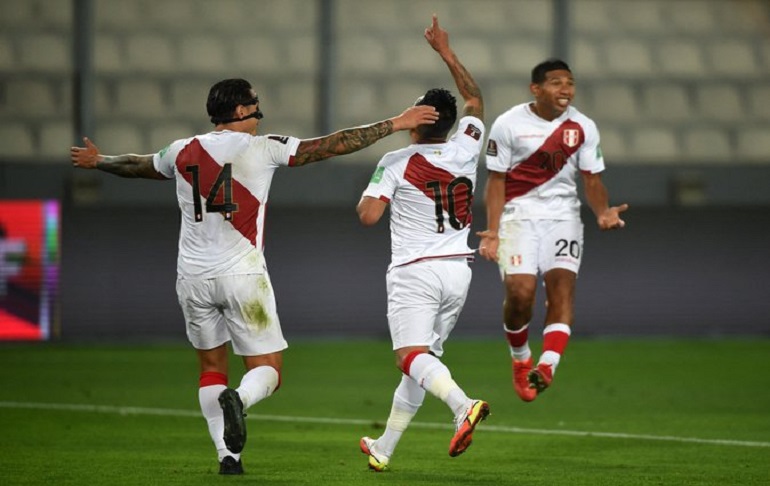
(517, 338)
(209, 378)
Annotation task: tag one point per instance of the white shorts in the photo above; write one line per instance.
(424, 301)
(237, 308)
(531, 246)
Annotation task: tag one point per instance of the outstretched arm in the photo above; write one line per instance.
(354, 139)
(126, 165)
(596, 195)
(469, 90)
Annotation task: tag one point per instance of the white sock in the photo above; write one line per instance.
(258, 384)
(432, 375)
(208, 397)
(407, 399)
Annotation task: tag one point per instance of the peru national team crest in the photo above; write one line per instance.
(516, 260)
(571, 137)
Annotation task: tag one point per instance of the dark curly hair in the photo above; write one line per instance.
(446, 105)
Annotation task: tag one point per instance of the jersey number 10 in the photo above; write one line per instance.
(464, 201)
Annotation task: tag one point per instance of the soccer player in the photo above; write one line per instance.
(222, 181)
(429, 186)
(534, 154)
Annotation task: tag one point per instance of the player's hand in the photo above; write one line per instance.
(489, 244)
(85, 157)
(415, 116)
(610, 218)
(437, 37)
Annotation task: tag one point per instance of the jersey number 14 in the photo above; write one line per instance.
(223, 184)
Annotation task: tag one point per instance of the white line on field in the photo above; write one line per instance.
(110, 409)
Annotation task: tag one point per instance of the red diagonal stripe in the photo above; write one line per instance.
(244, 219)
(419, 172)
(544, 163)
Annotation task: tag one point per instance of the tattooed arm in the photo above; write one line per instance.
(126, 165)
(354, 139)
(469, 90)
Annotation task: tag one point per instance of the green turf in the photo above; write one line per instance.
(682, 389)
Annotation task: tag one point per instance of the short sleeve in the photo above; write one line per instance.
(281, 149)
(470, 134)
(498, 155)
(165, 161)
(384, 181)
(590, 158)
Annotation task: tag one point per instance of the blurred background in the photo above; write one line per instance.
(680, 91)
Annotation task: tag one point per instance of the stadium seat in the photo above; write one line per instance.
(410, 57)
(706, 145)
(56, 137)
(108, 54)
(163, 134)
(585, 61)
(628, 58)
(140, 97)
(638, 17)
(150, 53)
(591, 16)
(613, 145)
(519, 56)
(357, 100)
(691, 16)
(294, 100)
(754, 144)
(118, 15)
(759, 101)
(666, 101)
(614, 102)
(17, 140)
(171, 13)
(650, 144)
(681, 58)
(301, 54)
(16, 13)
(476, 56)
(365, 54)
(720, 102)
(30, 97)
(7, 57)
(732, 57)
(187, 97)
(203, 53)
(260, 54)
(120, 138)
(45, 53)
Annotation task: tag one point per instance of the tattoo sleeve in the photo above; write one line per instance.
(342, 142)
(129, 165)
(469, 90)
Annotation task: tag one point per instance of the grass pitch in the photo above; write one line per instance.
(620, 412)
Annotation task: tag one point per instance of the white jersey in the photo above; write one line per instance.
(430, 190)
(540, 159)
(222, 184)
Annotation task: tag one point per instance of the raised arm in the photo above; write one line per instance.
(126, 165)
(354, 139)
(438, 39)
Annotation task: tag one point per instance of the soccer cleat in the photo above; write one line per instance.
(230, 466)
(377, 462)
(463, 437)
(235, 425)
(540, 377)
(521, 371)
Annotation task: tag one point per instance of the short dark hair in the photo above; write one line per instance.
(552, 64)
(225, 96)
(446, 106)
